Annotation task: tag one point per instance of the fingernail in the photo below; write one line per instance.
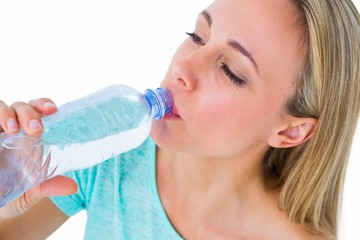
(35, 125)
(49, 105)
(12, 125)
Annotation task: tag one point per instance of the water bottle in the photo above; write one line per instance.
(81, 134)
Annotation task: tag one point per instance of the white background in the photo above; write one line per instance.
(67, 49)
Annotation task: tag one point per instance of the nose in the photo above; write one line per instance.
(185, 71)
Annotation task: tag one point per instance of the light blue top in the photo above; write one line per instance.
(121, 198)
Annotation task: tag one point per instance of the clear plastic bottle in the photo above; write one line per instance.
(81, 134)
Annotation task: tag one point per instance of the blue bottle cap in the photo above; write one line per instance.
(160, 101)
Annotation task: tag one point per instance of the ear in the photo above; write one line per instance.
(297, 132)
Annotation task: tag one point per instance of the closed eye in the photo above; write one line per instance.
(225, 68)
(235, 79)
(196, 39)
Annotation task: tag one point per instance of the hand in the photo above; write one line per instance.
(28, 117)
(57, 186)
(25, 115)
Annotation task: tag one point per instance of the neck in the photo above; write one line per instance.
(191, 176)
(214, 194)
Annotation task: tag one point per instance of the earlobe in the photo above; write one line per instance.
(294, 134)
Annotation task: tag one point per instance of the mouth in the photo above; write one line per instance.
(175, 113)
(171, 115)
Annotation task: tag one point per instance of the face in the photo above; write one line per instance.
(230, 79)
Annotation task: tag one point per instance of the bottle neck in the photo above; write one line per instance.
(160, 102)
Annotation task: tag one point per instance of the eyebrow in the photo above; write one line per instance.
(237, 46)
(207, 17)
(232, 43)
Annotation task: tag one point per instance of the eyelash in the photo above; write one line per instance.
(225, 68)
(235, 79)
(196, 39)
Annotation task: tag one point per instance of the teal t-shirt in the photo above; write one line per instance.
(121, 198)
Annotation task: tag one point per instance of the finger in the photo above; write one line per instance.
(44, 106)
(8, 119)
(28, 117)
(58, 186)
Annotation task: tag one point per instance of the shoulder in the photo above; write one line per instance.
(298, 232)
(115, 168)
(279, 226)
(98, 185)
(128, 161)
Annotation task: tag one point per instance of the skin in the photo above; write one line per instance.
(210, 148)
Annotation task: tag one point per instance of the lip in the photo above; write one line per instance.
(173, 114)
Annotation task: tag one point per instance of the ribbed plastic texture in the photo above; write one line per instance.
(79, 135)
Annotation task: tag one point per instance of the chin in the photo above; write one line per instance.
(163, 137)
(158, 132)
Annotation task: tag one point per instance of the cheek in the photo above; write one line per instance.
(222, 109)
(236, 120)
(219, 117)
(226, 129)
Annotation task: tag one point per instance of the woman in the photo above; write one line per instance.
(266, 100)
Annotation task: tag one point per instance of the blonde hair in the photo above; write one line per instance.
(311, 175)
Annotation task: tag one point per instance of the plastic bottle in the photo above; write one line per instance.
(80, 134)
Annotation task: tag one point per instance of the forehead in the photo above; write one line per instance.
(268, 28)
(268, 10)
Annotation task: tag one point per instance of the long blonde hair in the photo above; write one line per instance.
(311, 175)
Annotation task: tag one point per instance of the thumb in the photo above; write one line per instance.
(57, 186)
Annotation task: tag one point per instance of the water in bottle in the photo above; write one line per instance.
(80, 134)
